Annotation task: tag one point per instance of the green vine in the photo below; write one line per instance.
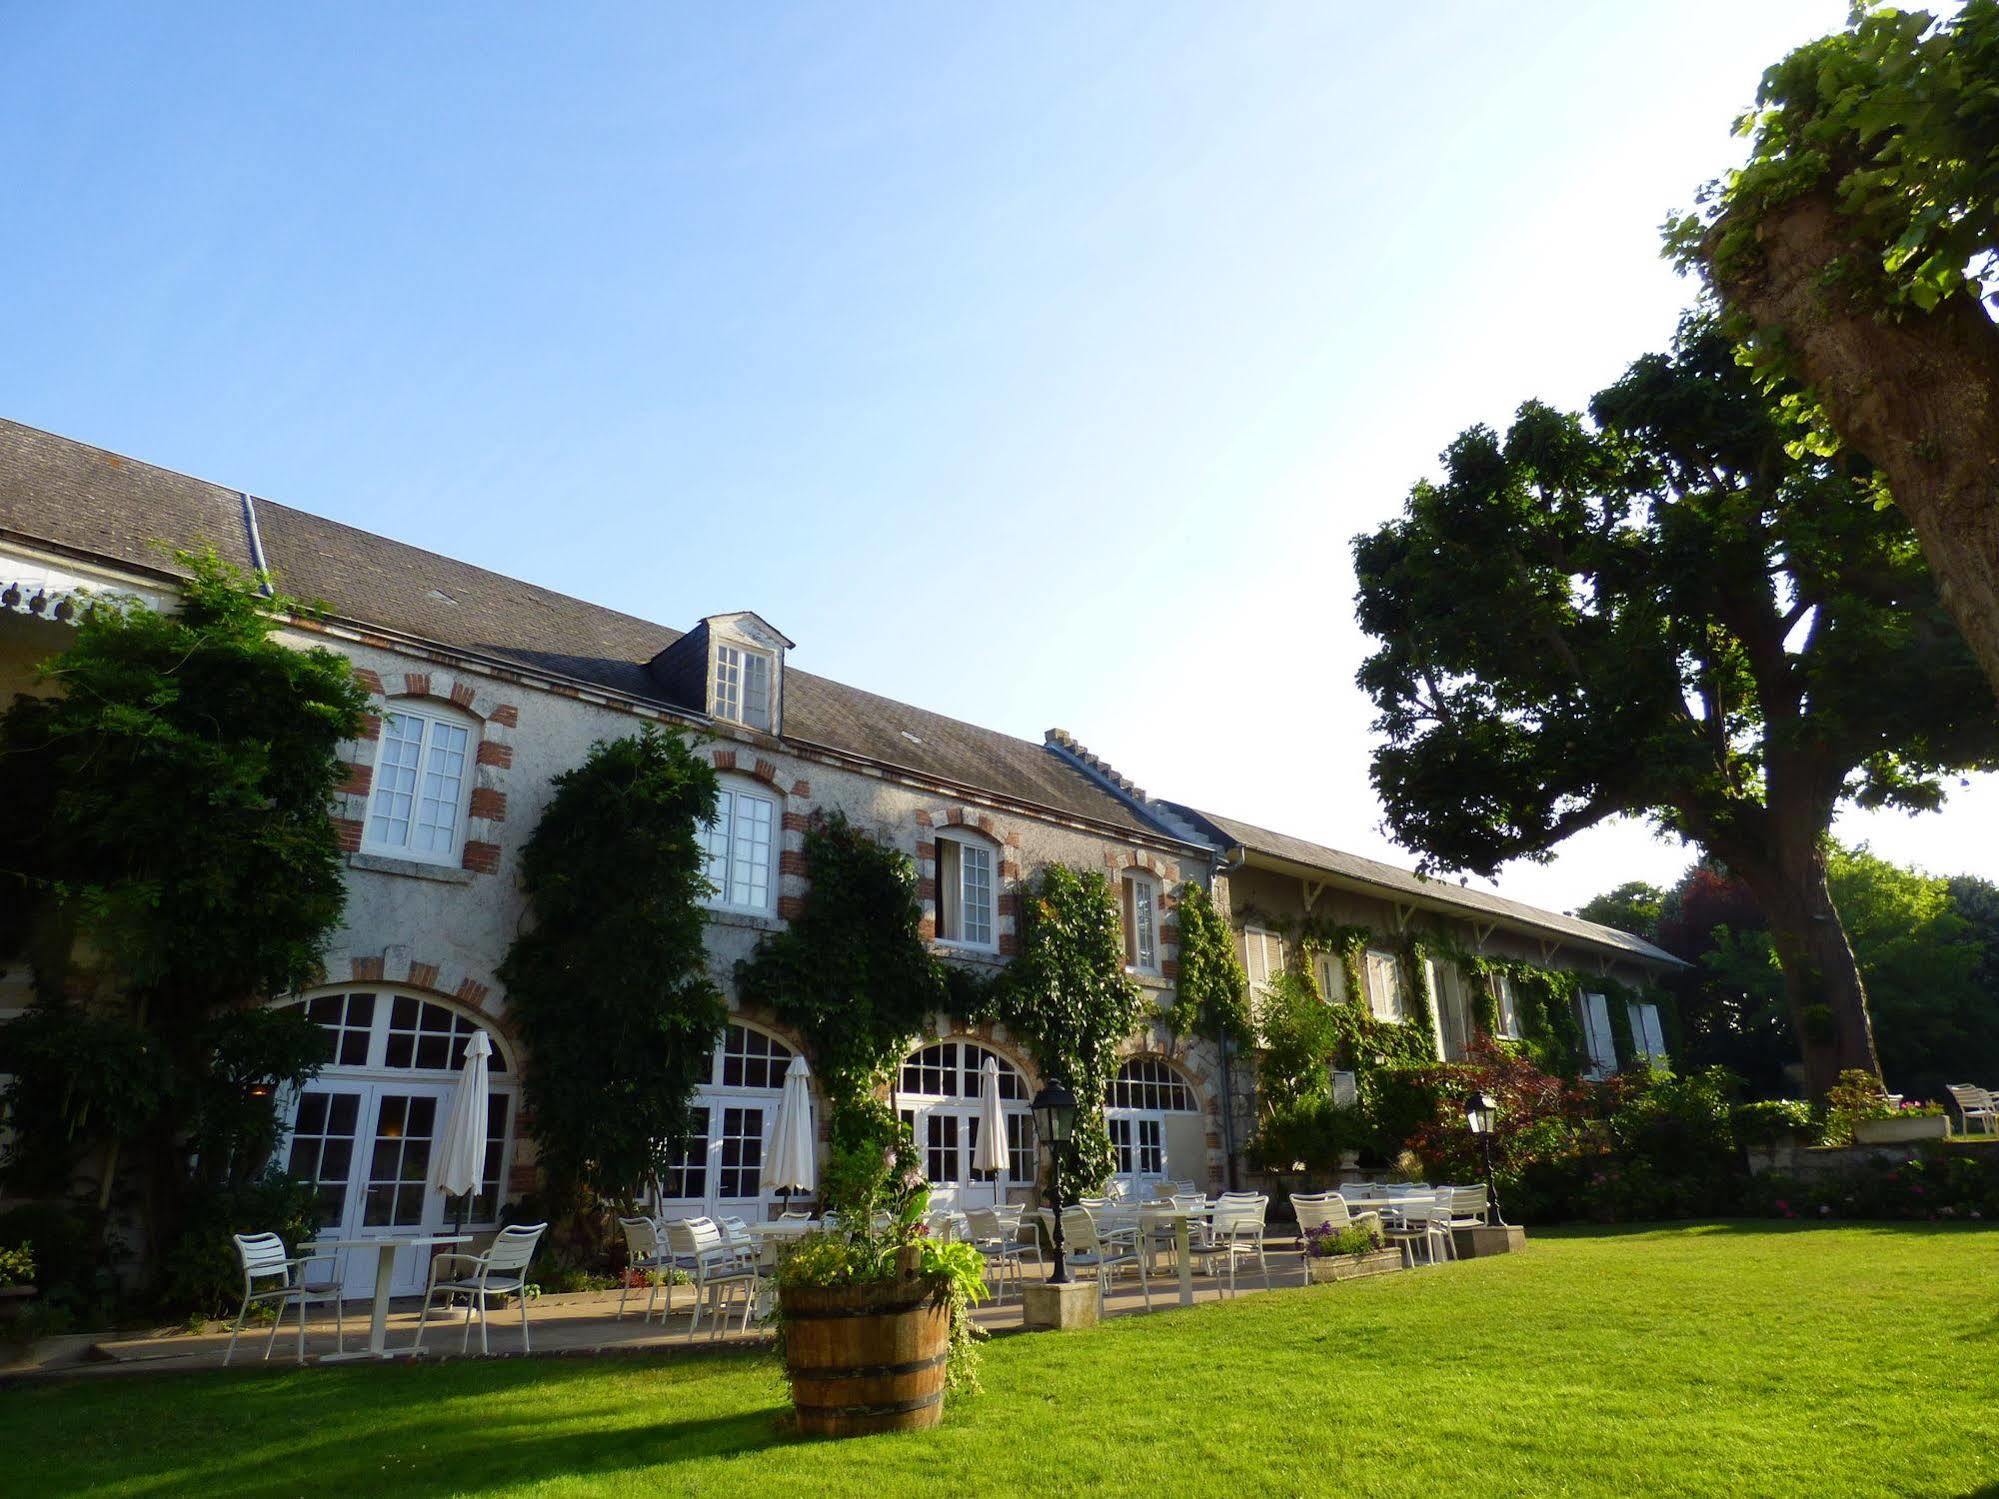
(1069, 1000)
(1212, 990)
(852, 973)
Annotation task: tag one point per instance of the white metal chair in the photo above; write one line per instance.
(715, 1268)
(1417, 1218)
(1235, 1233)
(1326, 1210)
(263, 1258)
(1085, 1248)
(645, 1255)
(1470, 1206)
(500, 1272)
(1001, 1245)
(1975, 1103)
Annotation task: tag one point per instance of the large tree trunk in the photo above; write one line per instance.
(1918, 395)
(1822, 985)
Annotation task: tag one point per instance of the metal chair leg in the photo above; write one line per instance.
(241, 1312)
(272, 1341)
(526, 1347)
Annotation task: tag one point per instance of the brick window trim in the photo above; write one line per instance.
(492, 756)
(1006, 903)
(793, 821)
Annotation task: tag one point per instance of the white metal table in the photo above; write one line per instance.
(1181, 1217)
(385, 1274)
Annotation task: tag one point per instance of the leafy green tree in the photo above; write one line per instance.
(1921, 955)
(1634, 907)
(1670, 610)
(1853, 249)
(1300, 1035)
(610, 987)
(169, 861)
(1977, 901)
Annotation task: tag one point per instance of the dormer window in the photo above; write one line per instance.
(740, 691)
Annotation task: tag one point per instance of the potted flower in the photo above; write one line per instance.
(1899, 1123)
(1348, 1253)
(874, 1314)
(1859, 1109)
(17, 1281)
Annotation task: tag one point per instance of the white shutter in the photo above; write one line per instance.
(1597, 1037)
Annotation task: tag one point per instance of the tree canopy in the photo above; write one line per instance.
(610, 987)
(1852, 250)
(168, 860)
(1927, 947)
(1670, 609)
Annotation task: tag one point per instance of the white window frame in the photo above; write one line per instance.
(1388, 1000)
(1331, 973)
(734, 690)
(1263, 957)
(726, 853)
(960, 907)
(432, 725)
(1508, 1006)
(1139, 911)
(1451, 1015)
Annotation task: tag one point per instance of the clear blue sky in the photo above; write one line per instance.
(1032, 363)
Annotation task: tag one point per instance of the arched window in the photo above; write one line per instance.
(938, 1091)
(1141, 1109)
(363, 1130)
(717, 1166)
(1148, 1083)
(422, 783)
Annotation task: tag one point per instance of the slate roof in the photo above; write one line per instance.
(82, 499)
(1395, 881)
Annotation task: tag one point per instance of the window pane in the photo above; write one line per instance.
(756, 690)
(395, 778)
(977, 863)
(749, 854)
(727, 692)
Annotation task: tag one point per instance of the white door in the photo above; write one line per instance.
(1139, 1142)
(367, 1148)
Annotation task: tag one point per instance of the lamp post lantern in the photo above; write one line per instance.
(1481, 1110)
(1054, 1109)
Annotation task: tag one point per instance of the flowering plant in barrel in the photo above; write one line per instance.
(874, 1314)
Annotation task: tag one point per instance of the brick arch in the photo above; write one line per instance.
(1178, 1052)
(990, 1034)
(406, 966)
(757, 768)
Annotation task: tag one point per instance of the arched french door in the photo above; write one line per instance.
(362, 1130)
(937, 1093)
(717, 1168)
(1155, 1125)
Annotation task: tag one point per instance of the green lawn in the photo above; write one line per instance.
(1691, 1360)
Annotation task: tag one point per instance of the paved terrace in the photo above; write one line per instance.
(570, 1325)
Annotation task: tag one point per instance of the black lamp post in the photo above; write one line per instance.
(1481, 1109)
(1054, 1110)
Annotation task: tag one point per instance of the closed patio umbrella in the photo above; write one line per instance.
(458, 1157)
(791, 1163)
(990, 1153)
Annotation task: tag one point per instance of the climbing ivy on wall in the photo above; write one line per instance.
(610, 986)
(1069, 1000)
(851, 973)
(1212, 992)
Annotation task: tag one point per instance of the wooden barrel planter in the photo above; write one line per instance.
(864, 1359)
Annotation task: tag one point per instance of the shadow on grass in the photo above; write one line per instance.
(409, 1429)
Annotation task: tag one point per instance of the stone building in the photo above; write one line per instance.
(485, 687)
